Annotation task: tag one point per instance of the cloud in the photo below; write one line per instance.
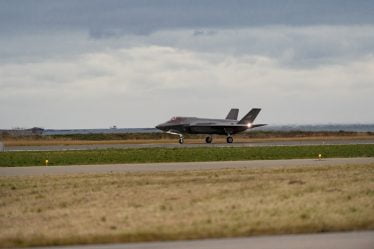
(292, 46)
(96, 63)
(149, 79)
(295, 46)
(113, 18)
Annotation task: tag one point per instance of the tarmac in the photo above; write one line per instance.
(153, 167)
(344, 240)
(192, 145)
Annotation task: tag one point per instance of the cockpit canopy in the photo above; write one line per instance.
(174, 120)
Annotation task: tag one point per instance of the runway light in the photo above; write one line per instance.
(249, 125)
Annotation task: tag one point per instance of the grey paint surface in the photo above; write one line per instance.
(345, 240)
(192, 125)
(176, 145)
(152, 167)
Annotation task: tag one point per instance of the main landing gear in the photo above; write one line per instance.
(209, 139)
(229, 139)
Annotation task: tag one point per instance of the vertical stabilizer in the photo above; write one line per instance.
(250, 117)
(233, 114)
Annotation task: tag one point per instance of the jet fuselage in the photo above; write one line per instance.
(228, 126)
(192, 125)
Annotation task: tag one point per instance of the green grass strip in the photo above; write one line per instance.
(148, 155)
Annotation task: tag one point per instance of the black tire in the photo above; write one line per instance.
(181, 140)
(208, 140)
(229, 140)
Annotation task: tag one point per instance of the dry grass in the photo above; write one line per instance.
(217, 139)
(54, 210)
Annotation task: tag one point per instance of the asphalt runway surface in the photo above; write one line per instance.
(345, 240)
(202, 144)
(154, 167)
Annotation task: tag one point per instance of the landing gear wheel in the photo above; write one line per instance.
(208, 140)
(229, 140)
(181, 140)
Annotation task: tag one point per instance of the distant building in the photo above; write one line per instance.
(36, 131)
(23, 132)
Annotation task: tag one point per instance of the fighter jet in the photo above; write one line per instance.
(229, 126)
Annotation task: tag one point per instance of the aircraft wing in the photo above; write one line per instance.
(218, 125)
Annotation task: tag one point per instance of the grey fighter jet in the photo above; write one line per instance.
(229, 126)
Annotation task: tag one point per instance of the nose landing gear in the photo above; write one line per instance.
(181, 140)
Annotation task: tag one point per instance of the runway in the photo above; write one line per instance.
(344, 240)
(194, 145)
(153, 167)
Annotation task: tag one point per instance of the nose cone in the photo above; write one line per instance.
(160, 127)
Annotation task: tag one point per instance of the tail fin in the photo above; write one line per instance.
(250, 117)
(233, 114)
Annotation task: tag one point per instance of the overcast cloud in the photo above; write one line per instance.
(93, 64)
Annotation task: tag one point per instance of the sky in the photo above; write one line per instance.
(98, 63)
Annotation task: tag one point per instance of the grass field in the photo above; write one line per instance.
(80, 209)
(147, 155)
